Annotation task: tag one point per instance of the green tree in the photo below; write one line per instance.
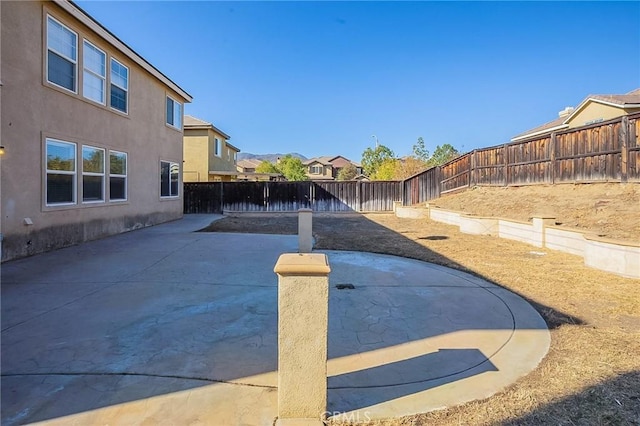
(348, 172)
(419, 150)
(373, 158)
(443, 154)
(267, 167)
(292, 168)
(387, 170)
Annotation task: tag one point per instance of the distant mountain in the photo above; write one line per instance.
(269, 157)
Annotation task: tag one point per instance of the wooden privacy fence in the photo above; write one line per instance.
(216, 197)
(605, 152)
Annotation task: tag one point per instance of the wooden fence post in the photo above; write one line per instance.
(505, 158)
(552, 157)
(471, 166)
(624, 149)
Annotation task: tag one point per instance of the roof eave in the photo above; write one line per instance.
(78, 13)
(539, 132)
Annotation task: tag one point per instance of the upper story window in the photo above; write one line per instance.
(119, 86)
(316, 170)
(93, 79)
(61, 172)
(62, 51)
(174, 113)
(217, 148)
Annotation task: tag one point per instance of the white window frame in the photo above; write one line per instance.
(103, 174)
(171, 165)
(217, 148)
(73, 173)
(116, 175)
(316, 170)
(126, 89)
(74, 62)
(173, 113)
(101, 77)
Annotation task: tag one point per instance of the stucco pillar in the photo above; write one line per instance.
(305, 224)
(303, 311)
(539, 224)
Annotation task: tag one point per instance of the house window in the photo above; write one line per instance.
(92, 174)
(174, 113)
(61, 172)
(217, 148)
(316, 170)
(228, 155)
(235, 157)
(94, 63)
(62, 47)
(169, 179)
(119, 86)
(117, 176)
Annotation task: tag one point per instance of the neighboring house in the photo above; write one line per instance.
(208, 155)
(327, 168)
(247, 172)
(92, 132)
(594, 109)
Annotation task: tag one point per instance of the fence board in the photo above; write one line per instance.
(216, 197)
(607, 151)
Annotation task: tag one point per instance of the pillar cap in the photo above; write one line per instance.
(305, 210)
(302, 264)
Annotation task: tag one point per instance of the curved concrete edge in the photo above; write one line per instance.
(523, 351)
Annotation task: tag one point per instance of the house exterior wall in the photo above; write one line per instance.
(197, 147)
(597, 111)
(39, 110)
(326, 171)
(222, 162)
(200, 159)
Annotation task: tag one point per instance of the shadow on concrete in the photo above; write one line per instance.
(401, 378)
(183, 310)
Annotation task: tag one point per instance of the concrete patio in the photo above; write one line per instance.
(165, 325)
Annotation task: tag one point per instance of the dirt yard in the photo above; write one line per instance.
(591, 375)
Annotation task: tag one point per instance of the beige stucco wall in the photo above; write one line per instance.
(595, 111)
(200, 159)
(196, 155)
(221, 163)
(327, 171)
(39, 110)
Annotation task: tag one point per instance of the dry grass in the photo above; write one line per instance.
(591, 375)
(607, 209)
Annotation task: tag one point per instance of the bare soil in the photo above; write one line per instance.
(591, 375)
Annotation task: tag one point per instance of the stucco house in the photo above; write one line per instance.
(327, 168)
(593, 109)
(208, 155)
(92, 132)
(247, 172)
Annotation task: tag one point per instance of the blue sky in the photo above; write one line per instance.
(320, 78)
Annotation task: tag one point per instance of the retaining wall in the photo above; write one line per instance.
(615, 256)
